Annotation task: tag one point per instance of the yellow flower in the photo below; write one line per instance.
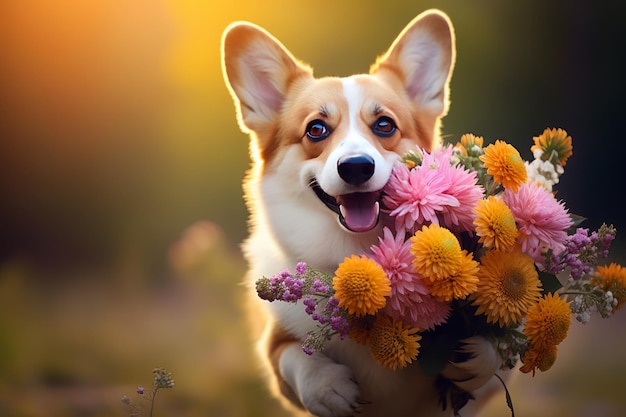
(437, 252)
(506, 165)
(612, 278)
(495, 224)
(457, 286)
(553, 141)
(361, 285)
(541, 359)
(508, 285)
(393, 343)
(547, 322)
(468, 141)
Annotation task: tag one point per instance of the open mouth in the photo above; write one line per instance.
(357, 212)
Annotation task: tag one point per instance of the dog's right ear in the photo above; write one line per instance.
(258, 70)
(422, 56)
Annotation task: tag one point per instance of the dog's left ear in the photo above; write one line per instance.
(423, 56)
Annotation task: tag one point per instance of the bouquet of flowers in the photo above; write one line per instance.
(475, 243)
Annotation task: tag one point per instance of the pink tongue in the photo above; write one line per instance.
(360, 210)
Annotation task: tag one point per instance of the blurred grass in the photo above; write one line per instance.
(75, 349)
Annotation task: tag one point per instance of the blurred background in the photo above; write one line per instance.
(121, 210)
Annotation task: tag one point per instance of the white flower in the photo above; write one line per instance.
(477, 150)
(543, 172)
(454, 159)
(606, 308)
(583, 317)
(577, 304)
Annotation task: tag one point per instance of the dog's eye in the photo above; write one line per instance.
(317, 130)
(384, 127)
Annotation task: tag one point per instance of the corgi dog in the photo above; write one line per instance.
(322, 150)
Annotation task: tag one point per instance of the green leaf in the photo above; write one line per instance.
(437, 348)
(576, 221)
(550, 282)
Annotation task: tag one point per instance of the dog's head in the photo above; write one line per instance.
(345, 133)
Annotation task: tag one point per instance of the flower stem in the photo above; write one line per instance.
(568, 292)
(152, 401)
(490, 187)
(509, 400)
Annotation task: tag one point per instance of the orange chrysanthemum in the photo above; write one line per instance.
(505, 164)
(553, 143)
(612, 278)
(468, 141)
(437, 252)
(548, 321)
(361, 285)
(508, 285)
(495, 224)
(457, 286)
(541, 359)
(393, 343)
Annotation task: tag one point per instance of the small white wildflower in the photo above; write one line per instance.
(476, 150)
(606, 308)
(559, 169)
(547, 170)
(162, 378)
(454, 159)
(583, 317)
(577, 303)
(543, 172)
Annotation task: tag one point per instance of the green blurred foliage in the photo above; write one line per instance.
(118, 142)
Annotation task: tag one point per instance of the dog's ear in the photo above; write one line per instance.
(423, 56)
(258, 70)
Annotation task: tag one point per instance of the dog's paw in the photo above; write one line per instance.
(329, 390)
(323, 387)
(478, 362)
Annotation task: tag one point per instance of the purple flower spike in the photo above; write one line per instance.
(318, 287)
(301, 268)
(310, 304)
(340, 325)
(308, 350)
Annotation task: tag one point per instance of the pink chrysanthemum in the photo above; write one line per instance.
(393, 254)
(417, 196)
(463, 186)
(409, 299)
(423, 311)
(542, 220)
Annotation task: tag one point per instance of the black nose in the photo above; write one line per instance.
(356, 169)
